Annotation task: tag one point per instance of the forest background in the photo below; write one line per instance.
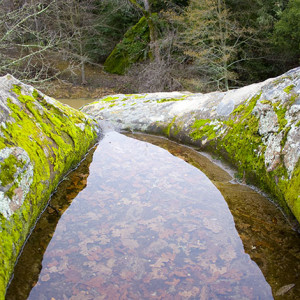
(149, 45)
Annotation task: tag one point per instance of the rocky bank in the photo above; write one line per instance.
(256, 128)
(40, 141)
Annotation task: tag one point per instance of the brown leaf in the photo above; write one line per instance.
(284, 289)
(45, 277)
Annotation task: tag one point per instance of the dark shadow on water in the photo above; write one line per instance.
(143, 253)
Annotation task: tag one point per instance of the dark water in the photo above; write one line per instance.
(135, 222)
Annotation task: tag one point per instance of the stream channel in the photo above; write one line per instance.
(138, 221)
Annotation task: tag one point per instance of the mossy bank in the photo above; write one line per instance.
(256, 128)
(40, 141)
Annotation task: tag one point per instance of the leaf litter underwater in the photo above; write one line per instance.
(134, 221)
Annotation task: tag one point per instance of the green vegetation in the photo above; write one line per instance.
(133, 48)
(171, 99)
(289, 88)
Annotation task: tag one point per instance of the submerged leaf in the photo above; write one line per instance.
(283, 290)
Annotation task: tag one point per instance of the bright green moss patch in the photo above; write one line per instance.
(171, 99)
(168, 128)
(288, 88)
(292, 192)
(280, 112)
(109, 99)
(134, 96)
(266, 102)
(204, 130)
(7, 170)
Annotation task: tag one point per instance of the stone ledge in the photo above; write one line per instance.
(40, 141)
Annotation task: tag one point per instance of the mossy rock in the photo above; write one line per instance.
(40, 141)
(133, 48)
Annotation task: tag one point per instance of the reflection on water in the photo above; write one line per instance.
(146, 225)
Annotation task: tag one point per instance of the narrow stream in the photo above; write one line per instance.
(136, 222)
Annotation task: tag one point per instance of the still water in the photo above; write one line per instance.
(136, 222)
(77, 102)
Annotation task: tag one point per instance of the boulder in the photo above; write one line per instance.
(40, 141)
(256, 128)
(132, 49)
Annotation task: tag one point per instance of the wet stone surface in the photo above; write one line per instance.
(135, 222)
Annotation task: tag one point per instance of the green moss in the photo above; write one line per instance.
(167, 130)
(134, 96)
(288, 88)
(7, 170)
(238, 109)
(203, 130)
(109, 99)
(133, 48)
(292, 192)
(171, 99)
(266, 102)
(17, 89)
(280, 112)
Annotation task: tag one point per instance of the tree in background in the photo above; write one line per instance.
(25, 39)
(286, 35)
(40, 39)
(263, 59)
(212, 39)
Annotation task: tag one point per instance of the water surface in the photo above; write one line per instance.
(77, 102)
(135, 222)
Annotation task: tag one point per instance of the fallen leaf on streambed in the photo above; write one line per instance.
(212, 225)
(283, 290)
(45, 277)
(174, 282)
(72, 276)
(95, 282)
(190, 293)
(228, 254)
(130, 243)
(160, 262)
(180, 273)
(82, 295)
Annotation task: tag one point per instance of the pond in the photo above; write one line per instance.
(134, 221)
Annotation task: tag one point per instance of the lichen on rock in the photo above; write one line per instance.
(40, 141)
(256, 128)
(16, 176)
